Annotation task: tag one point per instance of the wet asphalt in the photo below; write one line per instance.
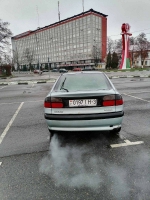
(75, 165)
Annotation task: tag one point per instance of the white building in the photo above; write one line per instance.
(137, 60)
(71, 42)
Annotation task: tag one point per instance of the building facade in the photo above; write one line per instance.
(77, 41)
(136, 61)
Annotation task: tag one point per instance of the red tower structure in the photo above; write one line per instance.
(125, 63)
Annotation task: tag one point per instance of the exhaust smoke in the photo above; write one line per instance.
(91, 166)
(69, 166)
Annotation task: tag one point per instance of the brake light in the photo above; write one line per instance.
(119, 100)
(109, 103)
(53, 102)
(112, 100)
(47, 104)
(57, 105)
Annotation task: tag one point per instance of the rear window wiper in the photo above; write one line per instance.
(64, 89)
(62, 86)
(63, 83)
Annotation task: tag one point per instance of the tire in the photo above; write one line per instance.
(114, 131)
(51, 134)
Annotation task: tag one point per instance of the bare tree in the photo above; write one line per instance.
(132, 40)
(1, 61)
(110, 45)
(142, 45)
(29, 55)
(5, 35)
(17, 59)
(118, 45)
(6, 57)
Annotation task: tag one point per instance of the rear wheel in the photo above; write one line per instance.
(116, 130)
(51, 134)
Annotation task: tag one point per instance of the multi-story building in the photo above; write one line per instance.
(80, 40)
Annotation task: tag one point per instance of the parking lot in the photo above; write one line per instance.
(93, 165)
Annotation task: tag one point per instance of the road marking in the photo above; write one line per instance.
(0, 163)
(3, 87)
(129, 76)
(136, 97)
(127, 143)
(13, 83)
(115, 77)
(138, 92)
(10, 123)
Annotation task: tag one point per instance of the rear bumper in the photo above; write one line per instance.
(83, 116)
(96, 122)
(82, 129)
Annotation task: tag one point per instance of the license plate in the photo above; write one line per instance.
(82, 102)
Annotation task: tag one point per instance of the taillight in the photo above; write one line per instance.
(112, 100)
(109, 100)
(53, 102)
(47, 104)
(57, 105)
(119, 100)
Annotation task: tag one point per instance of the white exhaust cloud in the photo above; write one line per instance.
(76, 166)
(68, 166)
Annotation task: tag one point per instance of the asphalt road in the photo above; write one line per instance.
(73, 166)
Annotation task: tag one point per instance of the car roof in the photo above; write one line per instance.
(83, 72)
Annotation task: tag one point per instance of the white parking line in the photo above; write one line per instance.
(139, 92)
(136, 97)
(3, 87)
(127, 143)
(10, 123)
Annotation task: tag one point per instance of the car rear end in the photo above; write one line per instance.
(77, 69)
(98, 109)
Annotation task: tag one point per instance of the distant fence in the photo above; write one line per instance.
(22, 72)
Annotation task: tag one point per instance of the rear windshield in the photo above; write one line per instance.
(82, 82)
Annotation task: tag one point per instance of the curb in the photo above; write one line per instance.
(53, 80)
(26, 82)
(129, 76)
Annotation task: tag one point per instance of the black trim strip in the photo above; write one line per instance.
(83, 116)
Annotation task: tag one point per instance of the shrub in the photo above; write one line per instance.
(5, 70)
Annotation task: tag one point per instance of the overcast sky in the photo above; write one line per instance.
(24, 15)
